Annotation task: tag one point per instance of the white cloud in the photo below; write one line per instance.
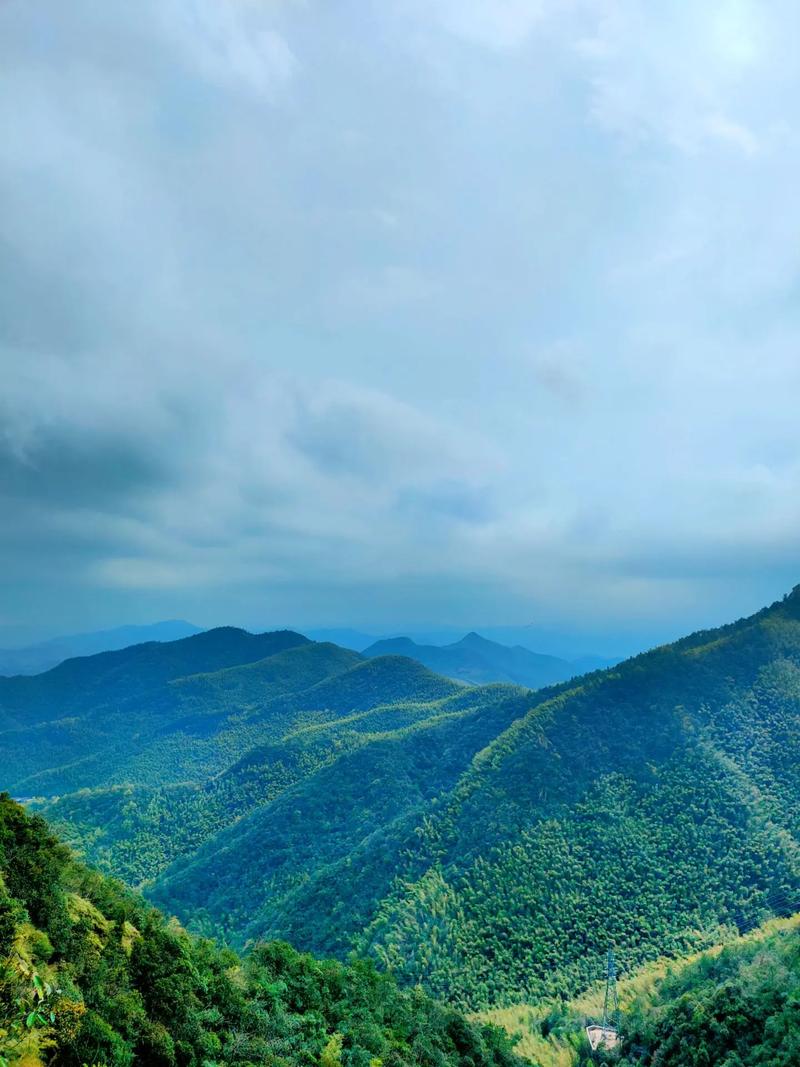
(733, 132)
(232, 42)
(390, 288)
(677, 73)
(500, 24)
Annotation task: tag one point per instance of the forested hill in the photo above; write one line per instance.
(480, 840)
(734, 1008)
(34, 659)
(90, 974)
(111, 679)
(148, 713)
(648, 806)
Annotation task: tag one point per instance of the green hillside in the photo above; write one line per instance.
(734, 1008)
(649, 806)
(482, 841)
(110, 679)
(145, 714)
(246, 880)
(734, 1005)
(34, 659)
(137, 831)
(90, 974)
(245, 686)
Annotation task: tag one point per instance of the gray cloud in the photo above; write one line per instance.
(455, 313)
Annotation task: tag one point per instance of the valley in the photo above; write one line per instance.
(731, 1004)
(399, 511)
(484, 841)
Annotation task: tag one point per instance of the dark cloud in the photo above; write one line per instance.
(455, 313)
(64, 467)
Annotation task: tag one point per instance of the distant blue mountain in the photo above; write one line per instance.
(344, 636)
(478, 661)
(33, 659)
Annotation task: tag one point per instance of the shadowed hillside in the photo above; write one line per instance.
(116, 717)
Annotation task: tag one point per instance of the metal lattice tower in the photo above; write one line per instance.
(606, 1034)
(611, 1003)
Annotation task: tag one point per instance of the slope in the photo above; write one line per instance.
(737, 1007)
(238, 748)
(648, 806)
(90, 974)
(624, 810)
(133, 716)
(34, 659)
(487, 840)
(108, 678)
(732, 1005)
(243, 883)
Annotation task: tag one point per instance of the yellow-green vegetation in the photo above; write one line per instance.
(28, 996)
(760, 965)
(91, 974)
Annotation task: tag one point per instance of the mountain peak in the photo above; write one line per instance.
(392, 646)
(473, 638)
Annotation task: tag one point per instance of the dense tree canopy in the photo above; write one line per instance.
(736, 1008)
(90, 974)
(486, 842)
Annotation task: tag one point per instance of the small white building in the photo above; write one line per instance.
(602, 1036)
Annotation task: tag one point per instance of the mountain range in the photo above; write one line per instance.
(33, 659)
(470, 658)
(486, 841)
(478, 661)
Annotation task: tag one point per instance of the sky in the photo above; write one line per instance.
(446, 312)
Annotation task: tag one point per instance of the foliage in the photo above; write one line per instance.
(733, 1004)
(94, 719)
(487, 843)
(652, 806)
(117, 984)
(27, 1004)
(736, 1008)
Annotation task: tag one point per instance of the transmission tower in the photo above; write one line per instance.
(611, 1002)
(606, 1033)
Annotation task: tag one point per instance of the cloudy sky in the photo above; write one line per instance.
(459, 312)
